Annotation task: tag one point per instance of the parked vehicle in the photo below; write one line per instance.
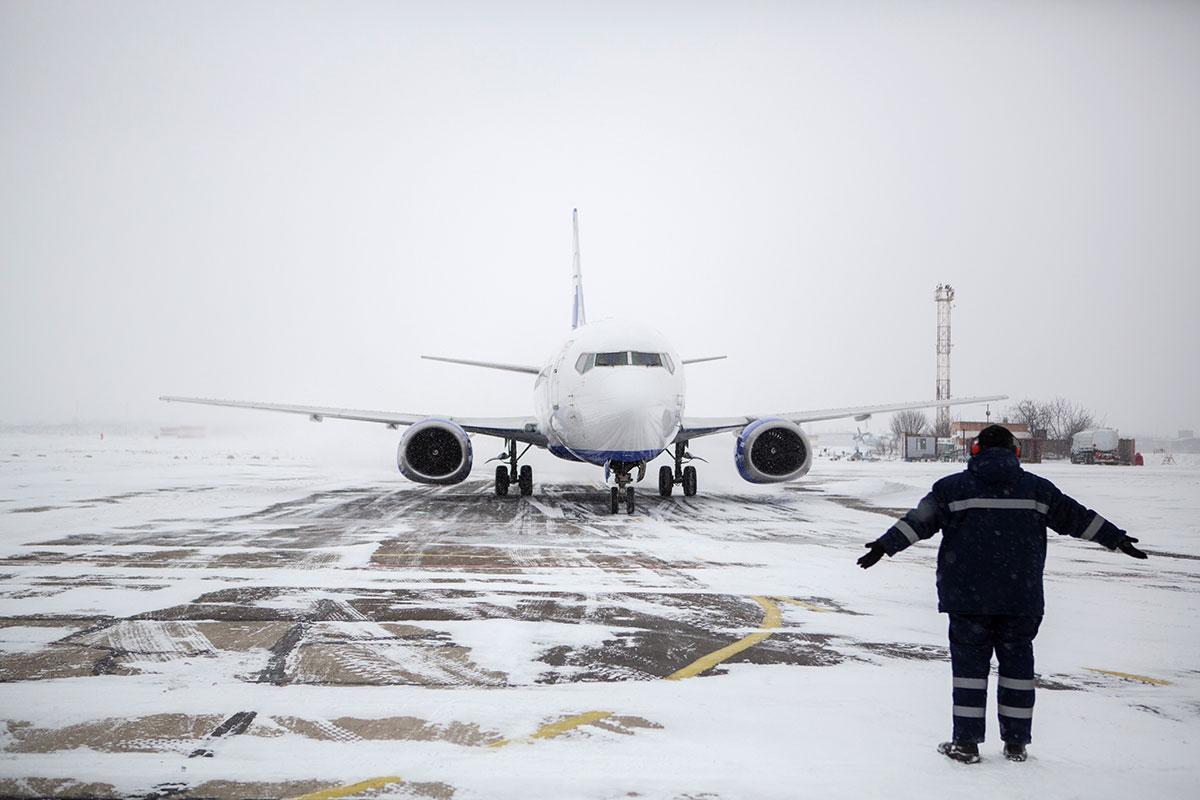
(1101, 446)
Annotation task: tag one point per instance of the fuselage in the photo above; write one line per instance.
(614, 392)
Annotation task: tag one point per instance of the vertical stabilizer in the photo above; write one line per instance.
(578, 316)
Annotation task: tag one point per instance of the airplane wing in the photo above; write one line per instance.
(470, 362)
(695, 427)
(522, 429)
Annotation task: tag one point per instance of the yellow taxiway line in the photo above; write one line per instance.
(1130, 676)
(351, 789)
(557, 728)
(772, 615)
(791, 601)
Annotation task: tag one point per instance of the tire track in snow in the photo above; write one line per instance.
(152, 640)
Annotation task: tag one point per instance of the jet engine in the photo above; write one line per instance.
(435, 451)
(772, 451)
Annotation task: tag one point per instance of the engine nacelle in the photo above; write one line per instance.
(435, 451)
(773, 451)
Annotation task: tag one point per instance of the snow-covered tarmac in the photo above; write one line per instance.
(233, 618)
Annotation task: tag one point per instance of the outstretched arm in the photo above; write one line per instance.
(919, 523)
(1068, 517)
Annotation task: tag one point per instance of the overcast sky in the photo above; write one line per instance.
(293, 201)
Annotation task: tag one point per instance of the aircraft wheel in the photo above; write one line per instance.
(629, 500)
(689, 481)
(502, 481)
(616, 500)
(526, 480)
(666, 480)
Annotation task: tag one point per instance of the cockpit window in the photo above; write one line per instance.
(612, 359)
(623, 358)
(647, 359)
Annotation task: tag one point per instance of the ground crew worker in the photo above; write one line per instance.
(993, 517)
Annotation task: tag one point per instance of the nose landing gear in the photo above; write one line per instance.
(686, 476)
(622, 473)
(615, 500)
(506, 476)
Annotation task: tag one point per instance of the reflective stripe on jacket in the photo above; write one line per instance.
(993, 518)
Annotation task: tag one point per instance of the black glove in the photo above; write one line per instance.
(1128, 549)
(872, 558)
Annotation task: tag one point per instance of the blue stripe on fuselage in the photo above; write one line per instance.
(602, 457)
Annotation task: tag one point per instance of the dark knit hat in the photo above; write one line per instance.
(996, 436)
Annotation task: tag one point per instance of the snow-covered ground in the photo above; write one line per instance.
(230, 617)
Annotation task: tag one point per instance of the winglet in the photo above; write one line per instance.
(578, 315)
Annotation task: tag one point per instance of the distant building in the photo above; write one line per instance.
(920, 448)
(1186, 433)
(963, 432)
(1185, 445)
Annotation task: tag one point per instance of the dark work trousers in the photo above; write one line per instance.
(973, 637)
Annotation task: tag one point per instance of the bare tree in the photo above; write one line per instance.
(1060, 418)
(1064, 418)
(911, 421)
(1031, 413)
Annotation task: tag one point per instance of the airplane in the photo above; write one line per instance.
(869, 441)
(612, 395)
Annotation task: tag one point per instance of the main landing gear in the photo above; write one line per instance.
(686, 476)
(506, 476)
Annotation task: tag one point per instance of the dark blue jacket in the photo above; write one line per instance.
(993, 518)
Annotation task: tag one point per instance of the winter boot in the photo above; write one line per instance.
(963, 752)
(1015, 751)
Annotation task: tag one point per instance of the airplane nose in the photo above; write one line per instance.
(668, 418)
(649, 425)
(624, 414)
(629, 429)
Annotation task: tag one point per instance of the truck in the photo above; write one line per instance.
(1096, 446)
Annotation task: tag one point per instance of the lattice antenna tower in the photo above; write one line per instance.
(944, 297)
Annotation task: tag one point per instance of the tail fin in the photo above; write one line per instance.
(578, 316)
